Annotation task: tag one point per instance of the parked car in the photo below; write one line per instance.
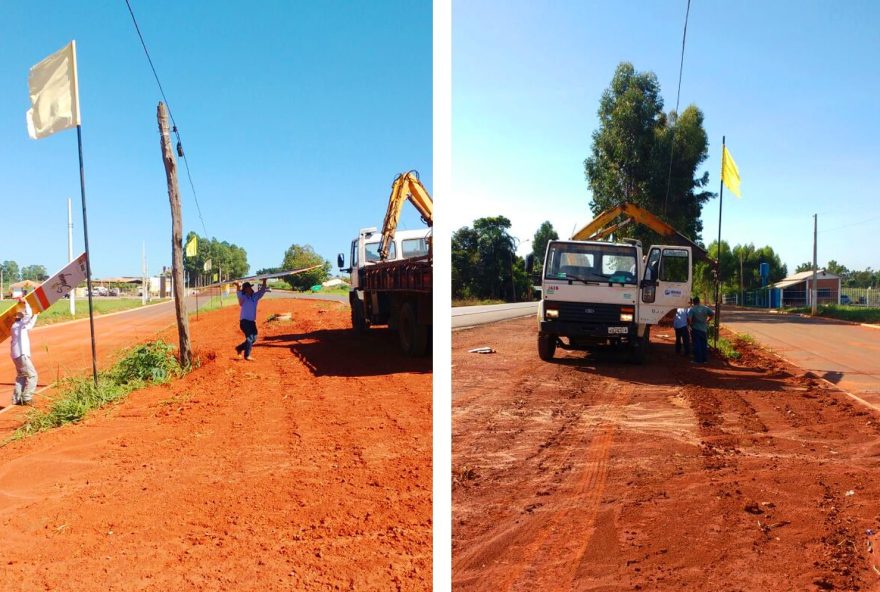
(844, 299)
(113, 292)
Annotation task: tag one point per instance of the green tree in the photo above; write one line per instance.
(230, 259)
(543, 235)
(485, 264)
(465, 262)
(837, 269)
(495, 248)
(34, 273)
(301, 257)
(630, 157)
(808, 266)
(11, 272)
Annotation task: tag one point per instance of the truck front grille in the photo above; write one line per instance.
(579, 312)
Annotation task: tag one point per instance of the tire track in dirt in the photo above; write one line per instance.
(573, 461)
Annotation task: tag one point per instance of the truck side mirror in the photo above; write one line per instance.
(340, 261)
(530, 263)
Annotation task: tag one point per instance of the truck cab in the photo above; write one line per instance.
(364, 253)
(597, 293)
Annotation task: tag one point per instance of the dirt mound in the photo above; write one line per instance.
(306, 469)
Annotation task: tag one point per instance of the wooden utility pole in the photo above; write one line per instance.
(176, 238)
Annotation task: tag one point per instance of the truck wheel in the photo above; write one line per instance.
(639, 348)
(546, 346)
(358, 322)
(413, 336)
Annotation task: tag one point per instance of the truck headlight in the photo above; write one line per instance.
(626, 317)
(551, 313)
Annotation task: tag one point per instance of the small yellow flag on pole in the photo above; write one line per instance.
(192, 247)
(729, 172)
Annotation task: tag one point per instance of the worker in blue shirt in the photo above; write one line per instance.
(699, 316)
(682, 331)
(248, 299)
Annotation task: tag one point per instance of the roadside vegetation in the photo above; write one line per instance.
(475, 301)
(855, 314)
(731, 350)
(283, 285)
(214, 302)
(727, 350)
(150, 363)
(60, 311)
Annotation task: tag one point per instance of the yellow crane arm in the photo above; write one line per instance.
(598, 228)
(406, 186)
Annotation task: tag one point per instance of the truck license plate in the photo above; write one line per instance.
(618, 329)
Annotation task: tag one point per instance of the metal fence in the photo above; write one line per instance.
(775, 298)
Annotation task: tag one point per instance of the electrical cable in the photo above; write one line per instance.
(677, 98)
(180, 152)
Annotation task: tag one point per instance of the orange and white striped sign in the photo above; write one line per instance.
(48, 293)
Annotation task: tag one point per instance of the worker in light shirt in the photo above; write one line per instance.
(248, 299)
(26, 374)
(682, 331)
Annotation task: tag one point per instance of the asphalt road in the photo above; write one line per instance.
(471, 316)
(845, 354)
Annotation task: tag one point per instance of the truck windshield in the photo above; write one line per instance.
(591, 263)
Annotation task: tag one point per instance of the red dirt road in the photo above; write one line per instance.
(308, 469)
(593, 474)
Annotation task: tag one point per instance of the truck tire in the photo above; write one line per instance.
(639, 348)
(413, 336)
(546, 346)
(358, 322)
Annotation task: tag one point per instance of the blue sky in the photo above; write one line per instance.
(295, 117)
(793, 86)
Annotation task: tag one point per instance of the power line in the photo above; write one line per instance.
(865, 221)
(677, 98)
(180, 152)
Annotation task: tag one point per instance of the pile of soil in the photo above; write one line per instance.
(306, 469)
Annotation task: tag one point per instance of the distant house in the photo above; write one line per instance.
(797, 289)
(334, 282)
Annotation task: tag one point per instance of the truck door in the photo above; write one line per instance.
(666, 283)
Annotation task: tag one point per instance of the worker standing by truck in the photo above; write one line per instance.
(682, 332)
(698, 319)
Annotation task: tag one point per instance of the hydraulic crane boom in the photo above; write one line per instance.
(599, 227)
(406, 186)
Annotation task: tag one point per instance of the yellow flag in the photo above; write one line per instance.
(192, 247)
(729, 172)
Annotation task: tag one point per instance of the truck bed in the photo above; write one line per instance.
(410, 275)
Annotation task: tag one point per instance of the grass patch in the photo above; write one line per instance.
(475, 302)
(745, 338)
(282, 285)
(150, 363)
(855, 314)
(727, 350)
(60, 311)
(209, 303)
